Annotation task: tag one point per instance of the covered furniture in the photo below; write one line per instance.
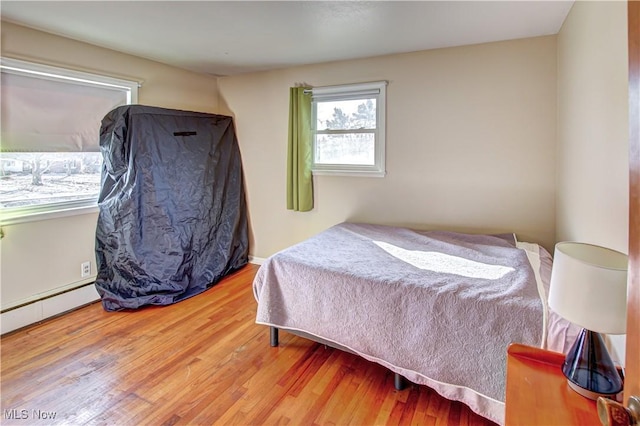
(173, 217)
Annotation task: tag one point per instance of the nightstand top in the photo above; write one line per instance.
(538, 394)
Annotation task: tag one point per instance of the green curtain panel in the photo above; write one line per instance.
(299, 179)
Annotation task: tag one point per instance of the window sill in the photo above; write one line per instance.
(6, 219)
(350, 173)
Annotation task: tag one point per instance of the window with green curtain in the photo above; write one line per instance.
(299, 152)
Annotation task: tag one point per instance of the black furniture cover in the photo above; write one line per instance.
(173, 217)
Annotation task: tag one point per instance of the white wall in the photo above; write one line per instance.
(470, 143)
(593, 130)
(41, 258)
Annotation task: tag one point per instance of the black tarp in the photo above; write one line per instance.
(173, 217)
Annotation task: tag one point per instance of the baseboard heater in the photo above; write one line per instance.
(47, 305)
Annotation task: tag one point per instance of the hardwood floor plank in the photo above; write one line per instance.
(200, 361)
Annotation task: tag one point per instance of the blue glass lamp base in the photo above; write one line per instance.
(589, 368)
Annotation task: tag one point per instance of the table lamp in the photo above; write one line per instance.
(589, 288)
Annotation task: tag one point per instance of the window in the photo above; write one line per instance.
(50, 158)
(349, 131)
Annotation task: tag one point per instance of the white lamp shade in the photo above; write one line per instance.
(589, 286)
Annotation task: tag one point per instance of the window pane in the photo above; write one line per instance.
(351, 114)
(356, 149)
(34, 178)
(50, 157)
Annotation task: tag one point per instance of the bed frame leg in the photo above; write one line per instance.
(399, 382)
(273, 332)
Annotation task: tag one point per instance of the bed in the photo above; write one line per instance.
(437, 308)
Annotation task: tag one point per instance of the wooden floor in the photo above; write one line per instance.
(200, 361)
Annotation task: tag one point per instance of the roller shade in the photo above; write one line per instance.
(42, 113)
(347, 91)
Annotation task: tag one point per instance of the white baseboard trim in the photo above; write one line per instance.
(39, 310)
(257, 260)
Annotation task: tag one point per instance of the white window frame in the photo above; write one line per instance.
(373, 90)
(13, 215)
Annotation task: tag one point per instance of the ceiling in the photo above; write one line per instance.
(232, 37)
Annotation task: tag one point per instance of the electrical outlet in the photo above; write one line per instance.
(85, 269)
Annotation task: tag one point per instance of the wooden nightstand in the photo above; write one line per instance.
(538, 394)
